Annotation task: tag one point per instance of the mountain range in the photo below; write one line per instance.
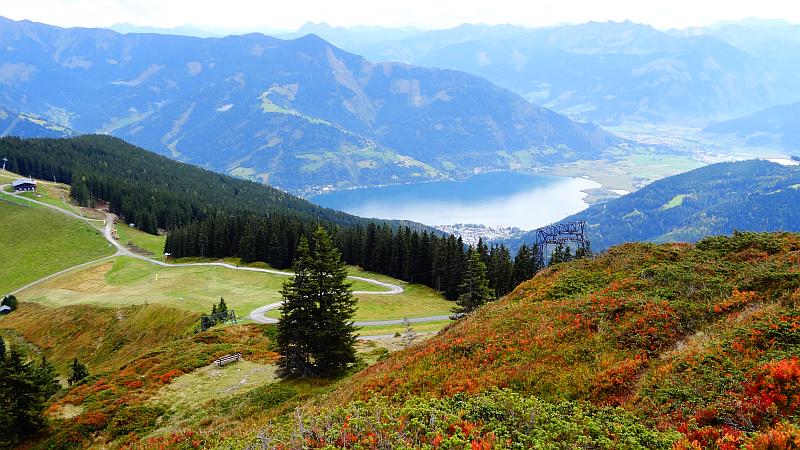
(776, 127)
(610, 73)
(299, 114)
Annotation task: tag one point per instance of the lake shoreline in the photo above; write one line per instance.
(496, 198)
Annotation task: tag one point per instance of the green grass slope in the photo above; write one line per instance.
(35, 242)
(646, 346)
(102, 338)
(127, 281)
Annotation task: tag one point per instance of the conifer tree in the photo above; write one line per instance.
(24, 387)
(583, 251)
(80, 192)
(45, 376)
(316, 335)
(523, 265)
(558, 255)
(77, 372)
(222, 309)
(474, 290)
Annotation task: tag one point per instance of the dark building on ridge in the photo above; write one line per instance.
(24, 184)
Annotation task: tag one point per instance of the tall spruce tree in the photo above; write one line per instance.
(474, 291)
(24, 388)
(222, 309)
(77, 373)
(524, 264)
(316, 335)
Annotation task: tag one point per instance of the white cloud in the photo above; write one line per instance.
(262, 14)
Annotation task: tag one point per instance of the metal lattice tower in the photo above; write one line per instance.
(560, 233)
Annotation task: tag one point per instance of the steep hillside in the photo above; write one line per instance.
(299, 114)
(147, 371)
(699, 339)
(31, 235)
(715, 199)
(776, 127)
(609, 73)
(152, 190)
(646, 346)
(102, 338)
(13, 123)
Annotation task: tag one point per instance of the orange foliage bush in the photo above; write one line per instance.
(736, 301)
(167, 377)
(612, 384)
(782, 437)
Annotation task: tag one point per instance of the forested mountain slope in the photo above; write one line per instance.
(776, 127)
(716, 199)
(151, 190)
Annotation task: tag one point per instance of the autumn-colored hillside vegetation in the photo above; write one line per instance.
(645, 346)
(701, 339)
(102, 338)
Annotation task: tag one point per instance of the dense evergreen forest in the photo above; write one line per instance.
(150, 190)
(213, 215)
(403, 253)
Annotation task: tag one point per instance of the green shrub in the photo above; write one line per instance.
(135, 419)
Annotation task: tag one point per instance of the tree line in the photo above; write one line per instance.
(404, 253)
(150, 190)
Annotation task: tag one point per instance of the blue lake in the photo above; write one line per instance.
(509, 199)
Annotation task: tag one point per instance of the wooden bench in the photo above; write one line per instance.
(227, 359)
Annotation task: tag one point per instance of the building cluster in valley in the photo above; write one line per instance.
(471, 233)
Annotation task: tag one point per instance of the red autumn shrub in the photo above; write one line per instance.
(773, 394)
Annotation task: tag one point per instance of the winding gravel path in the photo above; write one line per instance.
(257, 315)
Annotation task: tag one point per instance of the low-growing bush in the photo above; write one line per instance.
(494, 419)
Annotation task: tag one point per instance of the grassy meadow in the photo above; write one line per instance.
(125, 281)
(35, 242)
(415, 301)
(153, 245)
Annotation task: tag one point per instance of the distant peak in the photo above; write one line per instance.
(312, 39)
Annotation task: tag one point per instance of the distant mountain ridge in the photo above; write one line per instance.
(753, 195)
(776, 127)
(610, 73)
(717, 199)
(299, 114)
(13, 123)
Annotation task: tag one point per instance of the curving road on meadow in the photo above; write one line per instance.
(258, 314)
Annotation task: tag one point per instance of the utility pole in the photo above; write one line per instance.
(4, 163)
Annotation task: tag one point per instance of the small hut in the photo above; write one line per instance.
(24, 184)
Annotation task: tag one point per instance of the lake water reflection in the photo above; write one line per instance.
(509, 199)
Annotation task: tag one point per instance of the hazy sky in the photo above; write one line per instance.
(290, 14)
